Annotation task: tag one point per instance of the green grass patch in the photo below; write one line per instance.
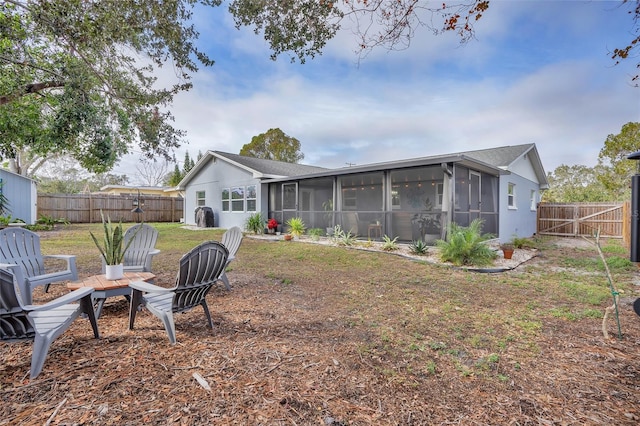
(586, 293)
(588, 264)
(615, 247)
(564, 313)
(430, 367)
(618, 264)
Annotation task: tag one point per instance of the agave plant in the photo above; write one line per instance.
(111, 249)
(418, 247)
(388, 244)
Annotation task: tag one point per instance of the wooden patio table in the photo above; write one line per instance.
(104, 288)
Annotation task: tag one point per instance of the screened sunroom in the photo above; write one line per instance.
(411, 203)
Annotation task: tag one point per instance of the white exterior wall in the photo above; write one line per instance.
(521, 220)
(522, 167)
(212, 179)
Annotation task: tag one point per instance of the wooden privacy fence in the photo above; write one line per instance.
(584, 219)
(85, 208)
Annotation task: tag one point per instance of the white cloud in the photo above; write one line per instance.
(513, 85)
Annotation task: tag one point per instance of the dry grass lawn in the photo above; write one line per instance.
(323, 335)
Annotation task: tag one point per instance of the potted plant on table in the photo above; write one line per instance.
(111, 248)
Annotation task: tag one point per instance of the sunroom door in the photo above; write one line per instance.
(289, 201)
(474, 196)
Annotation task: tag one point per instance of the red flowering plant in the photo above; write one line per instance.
(272, 224)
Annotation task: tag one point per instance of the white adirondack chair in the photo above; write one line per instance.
(231, 239)
(21, 247)
(41, 323)
(200, 269)
(140, 253)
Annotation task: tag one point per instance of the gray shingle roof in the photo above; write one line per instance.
(271, 167)
(499, 157)
(493, 158)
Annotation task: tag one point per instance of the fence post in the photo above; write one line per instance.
(626, 224)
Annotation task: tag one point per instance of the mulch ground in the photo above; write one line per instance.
(293, 353)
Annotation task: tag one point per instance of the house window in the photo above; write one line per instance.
(439, 194)
(511, 195)
(349, 199)
(395, 198)
(226, 199)
(200, 198)
(251, 198)
(533, 200)
(237, 199)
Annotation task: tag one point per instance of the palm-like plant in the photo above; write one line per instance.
(466, 245)
(4, 201)
(296, 226)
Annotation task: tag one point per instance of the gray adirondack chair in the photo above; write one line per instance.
(41, 323)
(231, 239)
(140, 253)
(199, 270)
(22, 247)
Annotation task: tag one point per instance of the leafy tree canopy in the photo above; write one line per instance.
(274, 145)
(576, 184)
(78, 77)
(64, 176)
(613, 156)
(608, 181)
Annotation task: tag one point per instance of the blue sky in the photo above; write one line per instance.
(538, 72)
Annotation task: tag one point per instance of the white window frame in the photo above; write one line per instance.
(226, 199)
(534, 203)
(201, 198)
(511, 196)
(439, 194)
(251, 196)
(238, 202)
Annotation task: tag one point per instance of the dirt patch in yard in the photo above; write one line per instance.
(334, 336)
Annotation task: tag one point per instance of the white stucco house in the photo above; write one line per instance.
(409, 199)
(22, 194)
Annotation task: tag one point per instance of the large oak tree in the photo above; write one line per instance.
(79, 76)
(274, 144)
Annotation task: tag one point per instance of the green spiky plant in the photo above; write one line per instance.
(418, 247)
(388, 244)
(112, 249)
(4, 201)
(467, 245)
(296, 226)
(255, 223)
